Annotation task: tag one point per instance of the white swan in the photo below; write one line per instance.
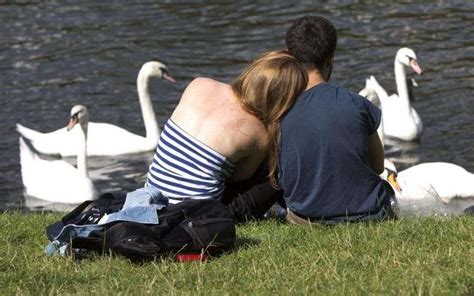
(104, 138)
(58, 181)
(401, 121)
(431, 181)
(372, 96)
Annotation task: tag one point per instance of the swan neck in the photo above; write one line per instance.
(402, 89)
(82, 153)
(149, 118)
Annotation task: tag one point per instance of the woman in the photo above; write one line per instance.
(221, 133)
(217, 133)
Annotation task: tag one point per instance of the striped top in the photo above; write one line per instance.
(183, 167)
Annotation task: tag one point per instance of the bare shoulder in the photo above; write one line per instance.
(202, 85)
(203, 82)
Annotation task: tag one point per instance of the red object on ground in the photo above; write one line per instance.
(190, 257)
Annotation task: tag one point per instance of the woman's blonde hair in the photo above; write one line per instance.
(267, 88)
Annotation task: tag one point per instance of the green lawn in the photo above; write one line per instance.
(410, 256)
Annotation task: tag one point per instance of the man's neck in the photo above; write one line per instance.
(314, 78)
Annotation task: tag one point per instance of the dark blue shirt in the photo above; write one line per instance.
(324, 168)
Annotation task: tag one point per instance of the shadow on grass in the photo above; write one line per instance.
(241, 243)
(244, 243)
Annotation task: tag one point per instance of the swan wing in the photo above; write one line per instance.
(370, 95)
(446, 179)
(417, 120)
(55, 181)
(47, 143)
(103, 139)
(398, 123)
(373, 84)
(28, 133)
(108, 139)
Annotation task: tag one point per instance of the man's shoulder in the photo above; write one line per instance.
(342, 91)
(324, 103)
(328, 92)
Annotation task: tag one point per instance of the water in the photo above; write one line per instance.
(57, 54)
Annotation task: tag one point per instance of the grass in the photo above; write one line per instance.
(430, 256)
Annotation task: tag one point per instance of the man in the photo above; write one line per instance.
(330, 152)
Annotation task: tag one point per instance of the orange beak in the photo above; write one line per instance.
(414, 65)
(392, 179)
(72, 122)
(168, 77)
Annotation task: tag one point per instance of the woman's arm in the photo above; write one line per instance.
(376, 153)
(252, 152)
(246, 166)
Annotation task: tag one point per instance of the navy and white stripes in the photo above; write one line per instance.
(184, 168)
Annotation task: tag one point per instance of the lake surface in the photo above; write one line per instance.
(59, 53)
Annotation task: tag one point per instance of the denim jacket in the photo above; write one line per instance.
(140, 206)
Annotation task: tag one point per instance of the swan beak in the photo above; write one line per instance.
(392, 179)
(72, 122)
(168, 77)
(414, 65)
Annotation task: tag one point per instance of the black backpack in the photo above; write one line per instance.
(192, 226)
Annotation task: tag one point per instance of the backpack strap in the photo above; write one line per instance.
(200, 235)
(77, 210)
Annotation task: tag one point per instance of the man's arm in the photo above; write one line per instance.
(376, 153)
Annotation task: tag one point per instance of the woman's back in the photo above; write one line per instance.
(211, 113)
(220, 133)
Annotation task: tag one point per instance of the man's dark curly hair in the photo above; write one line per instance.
(312, 40)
